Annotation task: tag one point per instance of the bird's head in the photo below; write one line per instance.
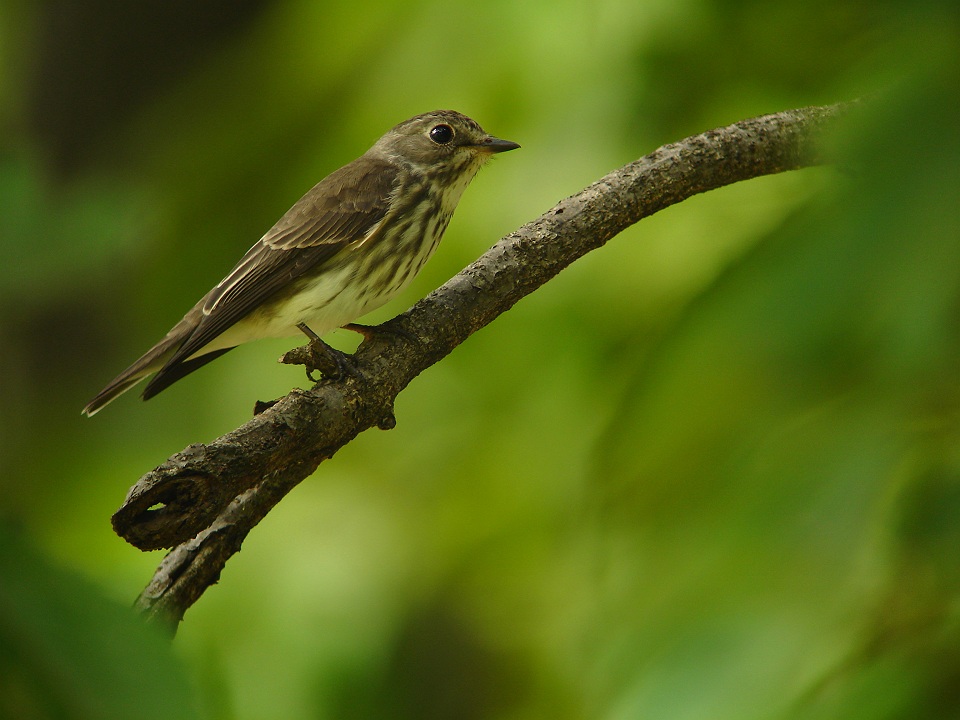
(442, 140)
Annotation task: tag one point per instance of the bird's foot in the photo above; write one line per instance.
(317, 355)
(331, 362)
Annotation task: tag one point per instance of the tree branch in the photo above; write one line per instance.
(203, 501)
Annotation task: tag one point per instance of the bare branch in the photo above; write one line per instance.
(203, 501)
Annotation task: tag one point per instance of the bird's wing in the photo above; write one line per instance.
(341, 209)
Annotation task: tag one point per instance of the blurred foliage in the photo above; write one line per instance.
(66, 652)
(713, 470)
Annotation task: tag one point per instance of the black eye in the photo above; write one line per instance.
(441, 134)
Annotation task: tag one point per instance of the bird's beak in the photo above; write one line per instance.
(491, 144)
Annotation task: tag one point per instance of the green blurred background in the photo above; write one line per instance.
(711, 471)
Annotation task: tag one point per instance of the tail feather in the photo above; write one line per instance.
(111, 392)
(149, 363)
(168, 375)
(153, 360)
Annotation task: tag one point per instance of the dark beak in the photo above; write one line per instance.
(496, 145)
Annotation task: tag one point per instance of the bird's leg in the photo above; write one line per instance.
(320, 356)
(371, 331)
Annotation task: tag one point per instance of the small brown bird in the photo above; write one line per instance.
(345, 248)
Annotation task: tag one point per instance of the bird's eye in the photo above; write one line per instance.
(441, 134)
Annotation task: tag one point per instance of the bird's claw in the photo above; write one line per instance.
(329, 361)
(318, 356)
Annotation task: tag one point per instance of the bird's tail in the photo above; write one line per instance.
(153, 360)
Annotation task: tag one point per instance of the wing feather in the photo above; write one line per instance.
(341, 209)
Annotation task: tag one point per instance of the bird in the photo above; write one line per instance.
(348, 246)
